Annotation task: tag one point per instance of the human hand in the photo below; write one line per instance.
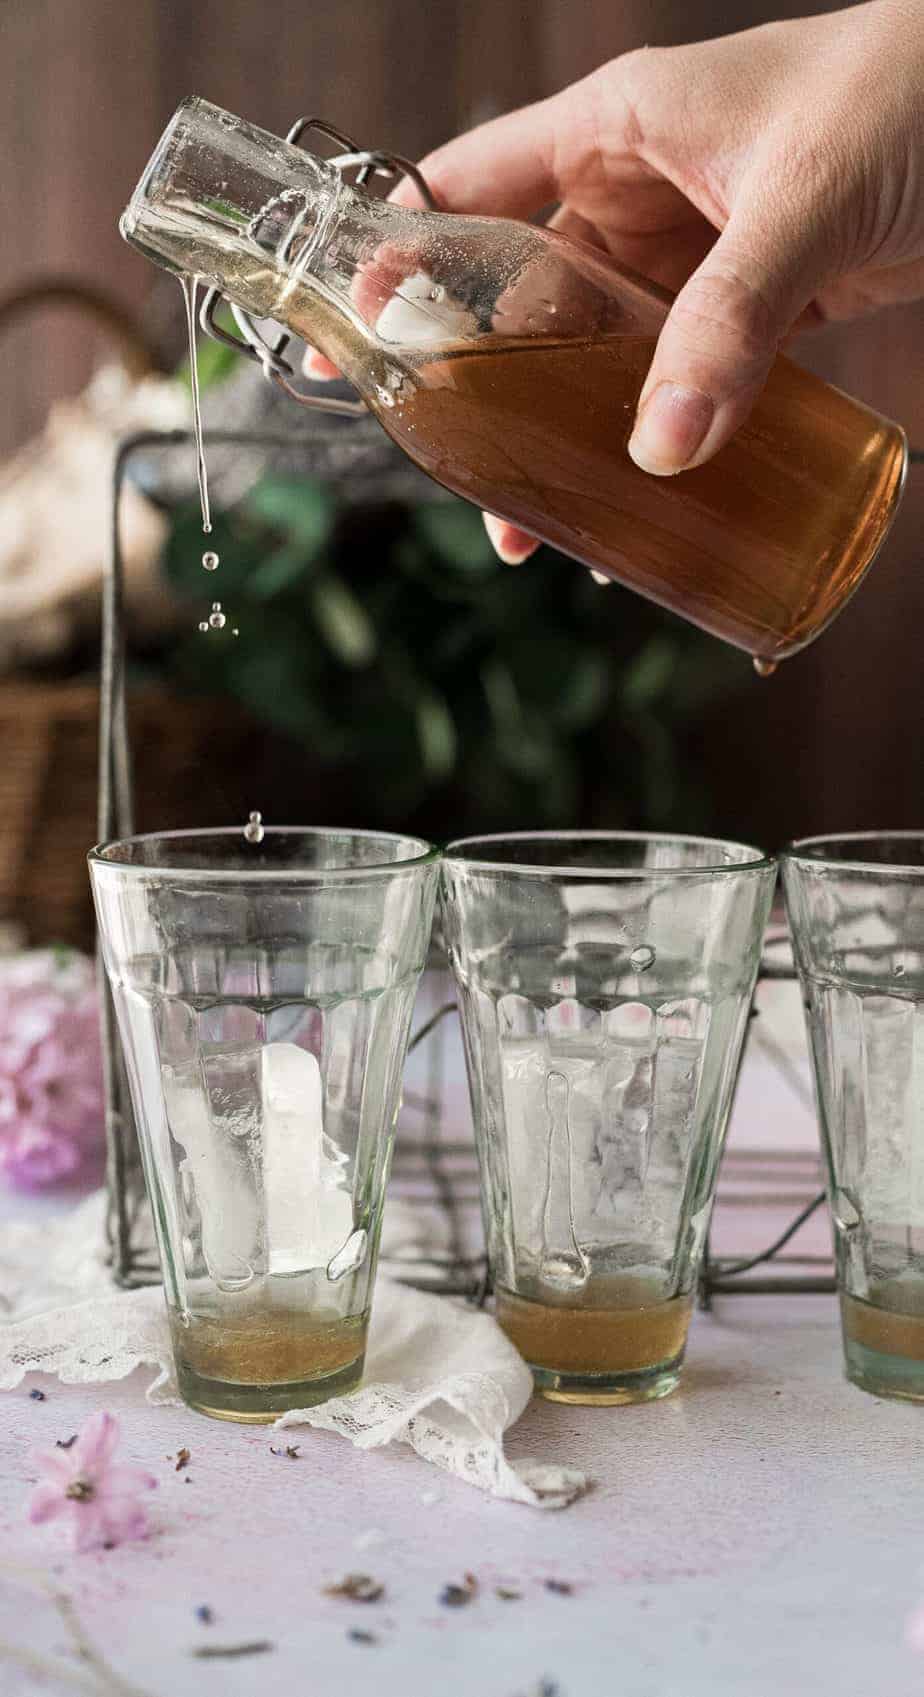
(772, 177)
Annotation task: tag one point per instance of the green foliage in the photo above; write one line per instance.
(390, 642)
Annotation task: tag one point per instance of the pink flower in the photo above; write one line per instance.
(51, 1087)
(914, 1629)
(101, 1500)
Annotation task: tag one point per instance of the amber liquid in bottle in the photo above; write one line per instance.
(529, 416)
(761, 546)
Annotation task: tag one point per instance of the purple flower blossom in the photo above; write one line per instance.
(101, 1500)
(51, 1087)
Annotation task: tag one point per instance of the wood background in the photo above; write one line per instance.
(85, 88)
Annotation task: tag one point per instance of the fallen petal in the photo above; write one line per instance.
(96, 1443)
(46, 1503)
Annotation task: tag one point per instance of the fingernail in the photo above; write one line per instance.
(513, 546)
(315, 366)
(670, 428)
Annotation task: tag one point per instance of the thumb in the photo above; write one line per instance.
(721, 337)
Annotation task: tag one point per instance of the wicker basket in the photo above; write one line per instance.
(209, 764)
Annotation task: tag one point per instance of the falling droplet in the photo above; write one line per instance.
(203, 625)
(350, 1257)
(765, 668)
(190, 287)
(217, 619)
(210, 561)
(437, 293)
(602, 579)
(643, 957)
(254, 830)
(235, 631)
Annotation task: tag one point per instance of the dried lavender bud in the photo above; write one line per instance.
(507, 1594)
(37, 1395)
(182, 1460)
(65, 1443)
(205, 1614)
(291, 1450)
(560, 1587)
(357, 1635)
(359, 1587)
(212, 1652)
(456, 1596)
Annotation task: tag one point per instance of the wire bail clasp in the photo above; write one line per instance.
(271, 355)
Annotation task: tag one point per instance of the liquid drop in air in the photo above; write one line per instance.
(765, 668)
(203, 625)
(601, 578)
(643, 957)
(217, 620)
(190, 287)
(254, 830)
(210, 561)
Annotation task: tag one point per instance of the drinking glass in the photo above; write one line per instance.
(604, 984)
(264, 990)
(856, 910)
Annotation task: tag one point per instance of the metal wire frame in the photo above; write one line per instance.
(132, 1253)
(271, 355)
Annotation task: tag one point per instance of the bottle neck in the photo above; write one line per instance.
(234, 206)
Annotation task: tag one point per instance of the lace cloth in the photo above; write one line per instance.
(440, 1375)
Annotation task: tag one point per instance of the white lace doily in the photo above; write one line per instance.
(440, 1375)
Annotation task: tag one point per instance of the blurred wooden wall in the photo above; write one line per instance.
(86, 86)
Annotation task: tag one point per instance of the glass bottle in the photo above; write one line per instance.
(507, 362)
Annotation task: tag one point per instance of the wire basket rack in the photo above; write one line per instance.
(435, 1163)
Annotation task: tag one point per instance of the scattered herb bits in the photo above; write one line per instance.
(358, 1587)
(36, 1395)
(182, 1460)
(358, 1635)
(458, 1596)
(291, 1450)
(205, 1614)
(65, 1443)
(560, 1587)
(216, 1652)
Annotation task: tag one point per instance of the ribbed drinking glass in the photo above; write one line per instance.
(604, 984)
(264, 991)
(856, 911)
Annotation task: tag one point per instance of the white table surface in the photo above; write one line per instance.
(761, 1531)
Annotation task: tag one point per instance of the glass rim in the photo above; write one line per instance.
(758, 860)
(100, 855)
(809, 852)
